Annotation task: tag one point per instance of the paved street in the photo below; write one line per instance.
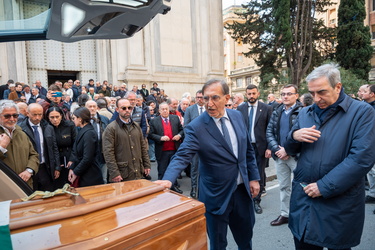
(267, 237)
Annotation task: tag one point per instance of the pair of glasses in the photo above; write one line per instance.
(126, 108)
(8, 116)
(228, 105)
(198, 97)
(288, 94)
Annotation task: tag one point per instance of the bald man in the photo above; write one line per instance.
(237, 100)
(100, 123)
(23, 112)
(42, 136)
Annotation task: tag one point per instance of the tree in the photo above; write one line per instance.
(354, 49)
(284, 32)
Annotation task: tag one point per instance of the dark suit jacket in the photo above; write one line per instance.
(33, 98)
(218, 167)
(191, 113)
(157, 131)
(85, 164)
(262, 118)
(51, 151)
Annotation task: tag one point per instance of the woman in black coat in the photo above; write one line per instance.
(65, 133)
(84, 169)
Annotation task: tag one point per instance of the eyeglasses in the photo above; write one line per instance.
(198, 97)
(288, 94)
(127, 108)
(228, 105)
(214, 98)
(8, 116)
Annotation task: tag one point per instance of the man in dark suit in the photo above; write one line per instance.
(35, 95)
(5, 87)
(272, 101)
(228, 172)
(256, 116)
(42, 136)
(99, 123)
(167, 132)
(42, 90)
(191, 113)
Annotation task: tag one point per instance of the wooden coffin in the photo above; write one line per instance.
(127, 215)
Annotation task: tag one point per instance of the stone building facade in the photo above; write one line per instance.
(180, 51)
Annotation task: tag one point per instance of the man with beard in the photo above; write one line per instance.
(124, 148)
(256, 116)
(173, 105)
(16, 149)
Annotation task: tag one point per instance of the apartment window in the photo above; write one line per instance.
(373, 5)
(373, 31)
(239, 57)
(239, 83)
(248, 80)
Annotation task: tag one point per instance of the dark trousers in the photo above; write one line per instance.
(261, 162)
(300, 245)
(194, 171)
(42, 179)
(240, 217)
(163, 162)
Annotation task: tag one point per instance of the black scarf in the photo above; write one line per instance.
(330, 110)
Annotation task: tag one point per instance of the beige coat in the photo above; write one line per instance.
(20, 153)
(125, 151)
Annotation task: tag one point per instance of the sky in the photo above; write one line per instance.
(227, 3)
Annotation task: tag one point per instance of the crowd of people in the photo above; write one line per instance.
(102, 133)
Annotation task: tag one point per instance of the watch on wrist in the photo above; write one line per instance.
(31, 171)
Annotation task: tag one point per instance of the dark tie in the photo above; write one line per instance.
(251, 115)
(166, 120)
(225, 132)
(95, 122)
(201, 108)
(37, 142)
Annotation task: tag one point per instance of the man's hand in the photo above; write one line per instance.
(309, 135)
(117, 179)
(25, 175)
(164, 183)
(72, 176)
(147, 171)
(4, 140)
(57, 174)
(268, 153)
(165, 138)
(254, 188)
(69, 164)
(176, 137)
(281, 153)
(312, 190)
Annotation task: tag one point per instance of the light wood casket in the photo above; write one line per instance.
(127, 215)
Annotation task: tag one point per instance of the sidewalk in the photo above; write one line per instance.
(271, 171)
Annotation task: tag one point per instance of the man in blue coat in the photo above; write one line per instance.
(228, 171)
(335, 138)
